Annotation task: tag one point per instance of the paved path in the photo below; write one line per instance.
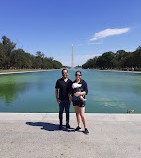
(36, 135)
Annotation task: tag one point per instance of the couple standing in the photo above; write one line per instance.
(64, 89)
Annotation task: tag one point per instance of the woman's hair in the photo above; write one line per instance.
(79, 72)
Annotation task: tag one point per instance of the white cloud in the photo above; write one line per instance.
(109, 32)
(95, 43)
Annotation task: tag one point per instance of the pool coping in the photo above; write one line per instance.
(54, 116)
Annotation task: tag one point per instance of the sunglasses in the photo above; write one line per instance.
(77, 75)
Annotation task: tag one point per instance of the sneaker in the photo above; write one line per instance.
(77, 128)
(60, 126)
(67, 125)
(86, 131)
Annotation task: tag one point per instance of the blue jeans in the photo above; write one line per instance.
(64, 104)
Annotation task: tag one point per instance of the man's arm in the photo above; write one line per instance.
(70, 92)
(70, 98)
(56, 94)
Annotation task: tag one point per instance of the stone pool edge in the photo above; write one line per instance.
(54, 116)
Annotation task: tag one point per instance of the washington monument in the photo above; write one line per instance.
(72, 58)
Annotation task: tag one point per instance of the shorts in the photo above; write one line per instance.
(78, 103)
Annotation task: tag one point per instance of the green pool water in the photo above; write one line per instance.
(34, 92)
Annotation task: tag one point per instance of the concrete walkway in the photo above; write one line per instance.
(36, 135)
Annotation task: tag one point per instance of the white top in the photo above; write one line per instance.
(76, 85)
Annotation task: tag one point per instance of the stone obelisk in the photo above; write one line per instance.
(72, 58)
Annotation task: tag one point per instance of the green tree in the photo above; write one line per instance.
(10, 57)
(8, 47)
(2, 57)
(137, 58)
(17, 59)
(109, 60)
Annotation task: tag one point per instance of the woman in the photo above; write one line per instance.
(79, 105)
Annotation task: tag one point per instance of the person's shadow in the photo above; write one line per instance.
(49, 126)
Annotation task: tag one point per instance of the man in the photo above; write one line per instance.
(63, 85)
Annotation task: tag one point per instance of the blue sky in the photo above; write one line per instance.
(51, 26)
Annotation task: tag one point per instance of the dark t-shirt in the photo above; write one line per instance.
(84, 87)
(64, 88)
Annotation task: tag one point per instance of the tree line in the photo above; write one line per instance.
(120, 60)
(12, 58)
